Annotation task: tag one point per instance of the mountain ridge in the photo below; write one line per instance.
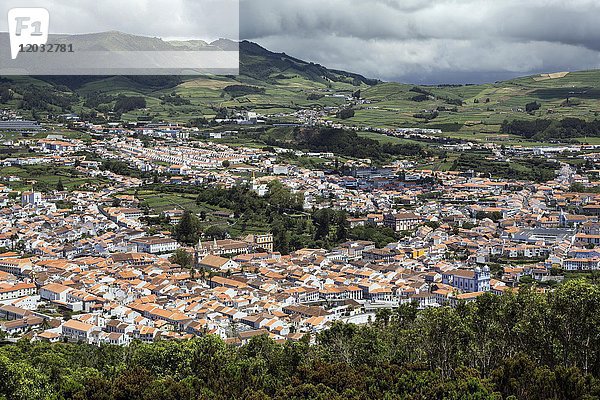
(273, 83)
(256, 62)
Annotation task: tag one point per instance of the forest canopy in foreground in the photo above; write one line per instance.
(517, 346)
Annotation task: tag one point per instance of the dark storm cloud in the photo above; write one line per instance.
(431, 40)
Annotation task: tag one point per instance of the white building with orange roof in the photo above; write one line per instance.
(16, 266)
(49, 336)
(10, 292)
(75, 330)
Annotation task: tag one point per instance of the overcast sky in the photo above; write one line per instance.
(417, 41)
(431, 41)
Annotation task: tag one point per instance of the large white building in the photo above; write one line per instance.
(155, 245)
(55, 292)
(34, 198)
(17, 291)
(78, 331)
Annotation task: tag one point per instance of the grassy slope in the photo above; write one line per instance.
(288, 82)
(391, 105)
(391, 102)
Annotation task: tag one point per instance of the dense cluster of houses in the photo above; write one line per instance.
(77, 265)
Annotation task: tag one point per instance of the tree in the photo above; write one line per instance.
(345, 113)
(215, 232)
(59, 186)
(281, 235)
(342, 226)
(576, 311)
(188, 229)
(183, 258)
(20, 380)
(526, 280)
(322, 220)
(383, 316)
(442, 334)
(130, 384)
(406, 314)
(129, 103)
(531, 107)
(494, 216)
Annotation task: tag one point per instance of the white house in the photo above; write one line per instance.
(55, 292)
(34, 198)
(17, 291)
(78, 331)
(217, 263)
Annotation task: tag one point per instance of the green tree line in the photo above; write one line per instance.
(544, 129)
(346, 143)
(525, 345)
(533, 169)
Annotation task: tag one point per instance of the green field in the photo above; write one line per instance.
(160, 202)
(276, 85)
(46, 178)
(484, 106)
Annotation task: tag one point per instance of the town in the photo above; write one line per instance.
(96, 254)
(300, 200)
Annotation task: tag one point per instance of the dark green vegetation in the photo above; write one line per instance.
(120, 168)
(280, 212)
(533, 169)
(183, 258)
(292, 228)
(346, 143)
(188, 229)
(381, 236)
(580, 188)
(527, 346)
(345, 113)
(545, 129)
(242, 90)
(125, 104)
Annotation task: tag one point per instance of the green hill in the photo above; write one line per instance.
(273, 83)
(483, 107)
(261, 64)
(285, 83)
